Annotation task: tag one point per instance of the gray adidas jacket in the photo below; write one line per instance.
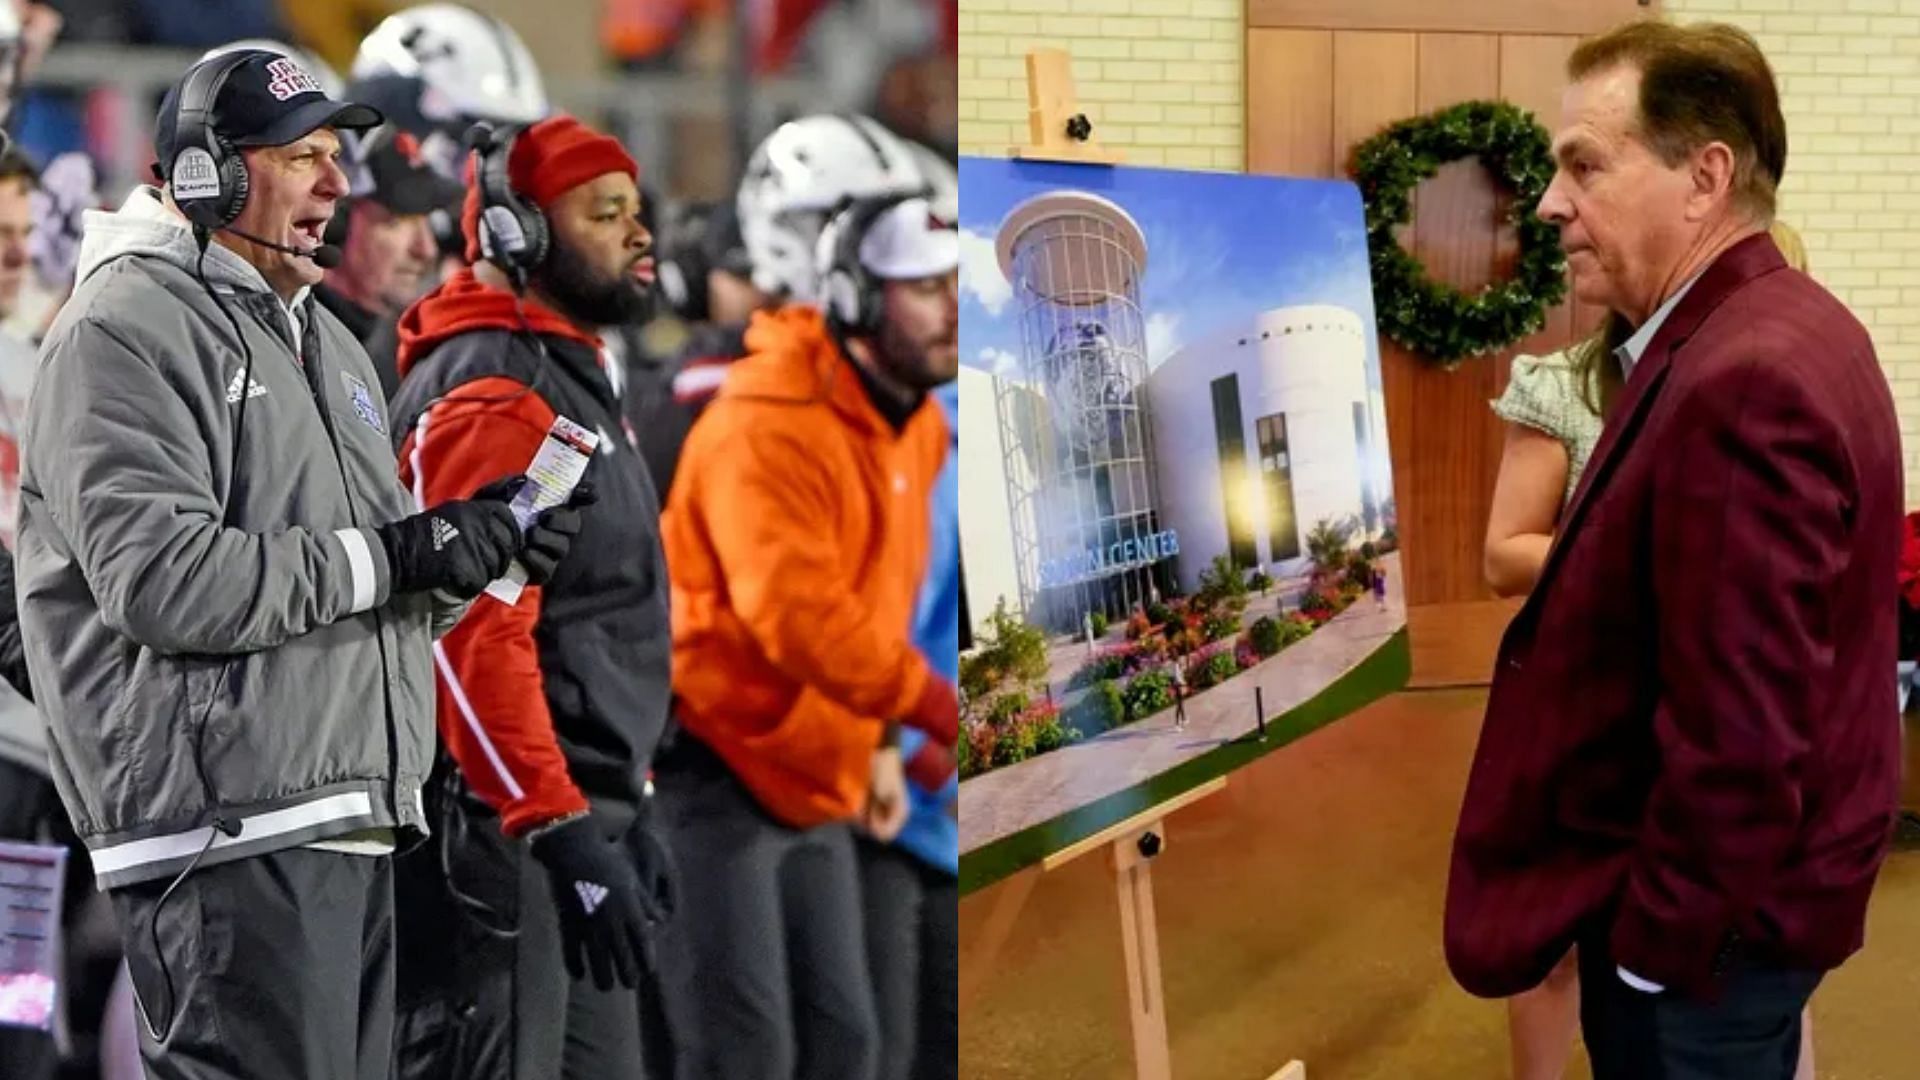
(262, 671)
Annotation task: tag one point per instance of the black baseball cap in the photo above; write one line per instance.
(268, 100)
(386, 167)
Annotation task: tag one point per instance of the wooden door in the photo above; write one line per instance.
(1324, 75)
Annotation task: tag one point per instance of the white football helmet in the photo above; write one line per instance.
(474, 66)
(794, 182)
(323, 74)
(942, 180)
(908, 241)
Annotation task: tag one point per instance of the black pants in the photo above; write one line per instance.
(1751, 1033)
(277, 966)
(765, 967)
(484, 990)
(913, 950)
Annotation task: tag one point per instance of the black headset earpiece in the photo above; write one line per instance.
(207, 178)
(853, 294)
(513, 232)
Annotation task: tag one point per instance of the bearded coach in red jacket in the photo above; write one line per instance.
(1689, 765)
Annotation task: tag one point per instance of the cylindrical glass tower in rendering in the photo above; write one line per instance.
(1075, 426)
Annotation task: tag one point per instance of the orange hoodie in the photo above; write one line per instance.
(797, 535)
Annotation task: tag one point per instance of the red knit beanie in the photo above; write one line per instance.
(548, 160)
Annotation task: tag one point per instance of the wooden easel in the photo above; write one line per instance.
(1051, 103)
(1132, 845)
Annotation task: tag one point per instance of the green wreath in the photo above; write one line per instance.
(1432, 319)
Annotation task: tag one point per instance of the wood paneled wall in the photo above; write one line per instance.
(1323, 76)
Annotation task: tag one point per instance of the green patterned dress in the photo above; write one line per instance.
(1543, 395)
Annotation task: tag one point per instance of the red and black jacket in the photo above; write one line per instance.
(556, 704)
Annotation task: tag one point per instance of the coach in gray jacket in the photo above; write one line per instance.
(228, 599)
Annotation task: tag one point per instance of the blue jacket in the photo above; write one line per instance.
(933, 833)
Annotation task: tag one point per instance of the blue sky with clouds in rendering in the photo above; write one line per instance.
(1221, 249)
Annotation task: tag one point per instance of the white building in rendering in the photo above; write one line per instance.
(1264, 430)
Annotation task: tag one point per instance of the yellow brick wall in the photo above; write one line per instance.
(1164, 80)
(1161, 79)
(1849, 74)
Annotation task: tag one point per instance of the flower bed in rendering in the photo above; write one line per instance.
(1007, 716)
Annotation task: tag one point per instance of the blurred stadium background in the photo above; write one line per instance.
(689, 85)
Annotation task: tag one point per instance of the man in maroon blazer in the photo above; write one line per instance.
(1689, 764)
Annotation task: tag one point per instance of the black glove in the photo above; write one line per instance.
(457, 546)
(552, 533)
(602, 923)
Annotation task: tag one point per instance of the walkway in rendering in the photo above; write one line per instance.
(1016, 797)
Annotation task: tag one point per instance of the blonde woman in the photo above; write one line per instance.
(1554, 407)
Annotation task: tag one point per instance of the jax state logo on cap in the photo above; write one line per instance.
(286, 79)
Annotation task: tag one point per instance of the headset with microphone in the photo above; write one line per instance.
(208, 177)
(854, 299)
(853, 294)
(326, 256)
(514, 234)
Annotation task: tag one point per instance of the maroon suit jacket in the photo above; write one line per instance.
(1692, 742)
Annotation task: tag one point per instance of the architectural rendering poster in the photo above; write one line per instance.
(1176, 486)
